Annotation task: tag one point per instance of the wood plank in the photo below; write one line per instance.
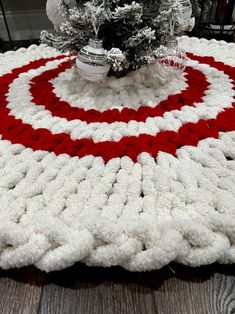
(93, 290)
(80, 289)
(20, 291)
(197, 291)
(224, 292)
(205, 290)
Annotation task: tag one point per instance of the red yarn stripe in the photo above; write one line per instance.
(17, 132)
(43, 95)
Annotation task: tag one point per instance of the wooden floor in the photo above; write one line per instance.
(172, 290)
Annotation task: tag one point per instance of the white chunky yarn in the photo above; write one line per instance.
(58, 210)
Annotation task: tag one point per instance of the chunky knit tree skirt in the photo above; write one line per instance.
(120, 172)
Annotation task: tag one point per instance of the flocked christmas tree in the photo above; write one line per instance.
(133, 33)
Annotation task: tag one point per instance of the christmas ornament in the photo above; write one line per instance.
(92, 62)
(172, 61)
(186, 9)
(133, 28)
(54, 12)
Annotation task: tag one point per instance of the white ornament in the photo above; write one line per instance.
(54, 14)
(186, 9)
(92, 62)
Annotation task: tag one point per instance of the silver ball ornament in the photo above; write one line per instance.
(187, 9)
(91, 61)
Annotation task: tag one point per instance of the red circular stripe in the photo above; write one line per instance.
(43, 95)
(16, 131)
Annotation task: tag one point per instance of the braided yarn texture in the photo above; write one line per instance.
(123, 172)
